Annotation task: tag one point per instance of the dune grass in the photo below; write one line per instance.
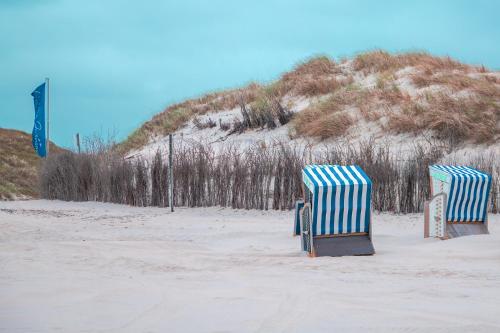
(333, 116)
(380, 61)
(329, 118)
(175, 116)
(310, 78)
(322, 78)
(316, 76)
(453, 119)
(19, 165)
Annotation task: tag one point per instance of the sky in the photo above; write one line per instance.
(114, 64)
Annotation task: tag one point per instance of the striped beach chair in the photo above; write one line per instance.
(336, 216)
(459, 202)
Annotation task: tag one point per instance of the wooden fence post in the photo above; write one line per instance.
(171, 172)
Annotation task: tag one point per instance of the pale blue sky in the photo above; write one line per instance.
(113, 64)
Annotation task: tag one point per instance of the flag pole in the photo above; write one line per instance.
(48, 116)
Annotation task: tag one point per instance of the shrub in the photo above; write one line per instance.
(224, 126)
(260, 177)
(202, 125)
(265, 111)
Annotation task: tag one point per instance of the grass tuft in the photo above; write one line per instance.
(327, 119)
(19, 165)
(452, 119)
(379, 61)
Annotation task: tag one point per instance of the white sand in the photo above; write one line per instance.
(91, 267)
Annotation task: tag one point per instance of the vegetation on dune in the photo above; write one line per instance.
(19, 165)
(453, 98)
(265, 111)
(451, 119)
(400, 93)
(175, 116)
(464, 107)
(379, 61)
(310, 78)
(327, 118)
(333, 116)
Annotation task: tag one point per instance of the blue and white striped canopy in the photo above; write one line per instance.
(341, 199)
(468, 192)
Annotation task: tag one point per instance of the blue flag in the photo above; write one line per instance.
(38, 134)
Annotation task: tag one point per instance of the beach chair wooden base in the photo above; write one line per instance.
(454, 229)
(465, 229)
(435, 224)
(338, 246)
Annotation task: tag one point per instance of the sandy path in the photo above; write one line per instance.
(91, 267)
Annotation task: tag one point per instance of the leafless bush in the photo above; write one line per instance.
(224, 126)
(265, 112)
(260, 177)
(202, 125)
(159, 180)
(57, 178)
(141, 183)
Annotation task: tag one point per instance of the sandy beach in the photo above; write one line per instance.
(81, 267)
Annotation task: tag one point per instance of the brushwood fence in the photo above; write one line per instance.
(255, 178)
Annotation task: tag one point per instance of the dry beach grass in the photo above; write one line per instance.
(18, 165)
(411, 92)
